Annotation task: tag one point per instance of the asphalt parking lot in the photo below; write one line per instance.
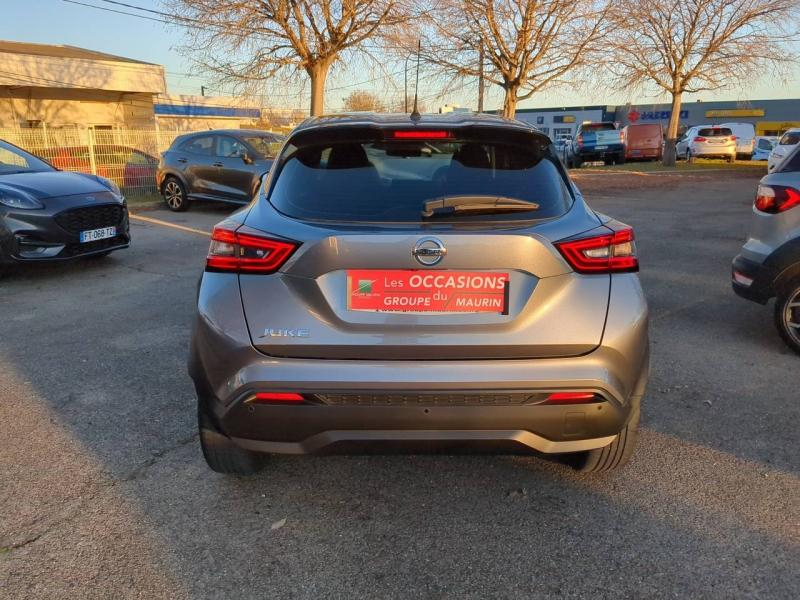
(104, 493)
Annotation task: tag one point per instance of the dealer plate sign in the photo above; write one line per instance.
(411, 291)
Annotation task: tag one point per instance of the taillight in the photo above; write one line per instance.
(622, 137)
(612, 253)
(733, 138)
(776, 198)
(234, 252)
(700, 139)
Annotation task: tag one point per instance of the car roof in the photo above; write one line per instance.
(233, 132)
(392, 120)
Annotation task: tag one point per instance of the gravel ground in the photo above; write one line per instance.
(103, 491)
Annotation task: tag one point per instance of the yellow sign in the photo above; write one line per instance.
(568, 119)
(735, 112)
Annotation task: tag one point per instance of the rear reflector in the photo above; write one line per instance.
(612, 253)
(421, 134)
(277, 397)
(235, 252)
(571, 398)
(774, 199)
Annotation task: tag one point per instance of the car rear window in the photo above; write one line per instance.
(597, 126)
(764, 144)
(790, 138)
(389, 181)
(715, 132)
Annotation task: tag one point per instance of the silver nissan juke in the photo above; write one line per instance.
(422, 283)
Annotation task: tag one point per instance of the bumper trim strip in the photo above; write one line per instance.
(326, 438)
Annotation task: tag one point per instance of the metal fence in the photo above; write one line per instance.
(127, 156)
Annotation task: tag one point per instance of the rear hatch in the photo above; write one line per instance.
(600, 136)
(644, 137)
(374, 277)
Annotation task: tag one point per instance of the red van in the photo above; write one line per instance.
(643, 141)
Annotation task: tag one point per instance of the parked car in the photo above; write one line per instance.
(745, 139)
(223, 165)
(376, 293)
(595, 141)
(712, 142)
(643, 141)
(763, 146)
(682, 145)
(561, 143)
(127, 167)
(52, 215)
(769, 263)
(785, 145)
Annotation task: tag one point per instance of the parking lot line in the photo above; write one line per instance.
(168, 224)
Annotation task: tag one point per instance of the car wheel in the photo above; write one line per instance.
(787, 314)
(175, 194)
(577, 162)
(221, 454)
(732, 158)
(621, 159)
(613, 456)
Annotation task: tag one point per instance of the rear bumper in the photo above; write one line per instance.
(751, 280)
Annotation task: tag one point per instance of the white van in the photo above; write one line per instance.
(745, 138)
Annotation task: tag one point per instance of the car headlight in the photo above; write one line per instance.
(110, 185)
(14, 198)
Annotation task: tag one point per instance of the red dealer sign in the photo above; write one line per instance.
(427, 291)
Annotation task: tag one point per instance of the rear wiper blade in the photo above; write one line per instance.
(448, 205)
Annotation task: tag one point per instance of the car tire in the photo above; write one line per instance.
(620, 159)
(577, 162)
(787, 310)
(174, 193)
(732, 159)
(221, 454)
(611, 457)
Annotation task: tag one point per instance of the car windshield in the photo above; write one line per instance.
(16, 160)
(715, 132)
(390, 181)
(266, 146)
(790, 138)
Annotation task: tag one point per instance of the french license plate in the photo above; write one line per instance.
(410, 291)
(601, 147)
(92, 235)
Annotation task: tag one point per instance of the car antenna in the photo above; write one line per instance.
(415, 116)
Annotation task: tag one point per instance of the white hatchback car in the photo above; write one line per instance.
(784, 146)
(712, 142)
(745, 138)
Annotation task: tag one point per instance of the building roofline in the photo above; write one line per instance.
(64, 51)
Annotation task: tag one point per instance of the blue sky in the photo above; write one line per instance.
(57, 22)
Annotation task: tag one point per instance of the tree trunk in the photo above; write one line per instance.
(318, 72)
(510, 102)
(672, 131)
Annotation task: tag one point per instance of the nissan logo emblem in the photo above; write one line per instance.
(429, 251)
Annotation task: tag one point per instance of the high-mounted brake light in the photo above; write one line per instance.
(571, 398)
(420, 134)
(775, 199)
(235, 252)
(612, 253)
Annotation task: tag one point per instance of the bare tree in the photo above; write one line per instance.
(528, 45)
(679, 46)
(251, 41)
(362, 100)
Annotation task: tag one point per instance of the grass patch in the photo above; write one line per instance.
(699, 165)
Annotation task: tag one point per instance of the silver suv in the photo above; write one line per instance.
(431, 282)
(769, 263)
